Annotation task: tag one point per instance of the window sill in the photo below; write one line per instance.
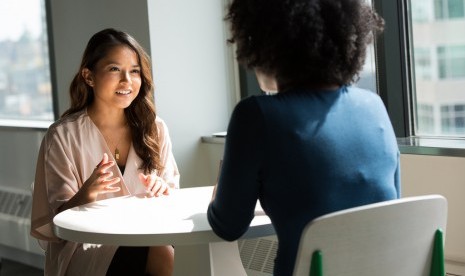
(410, 145)
(31, 124)
(432, 146)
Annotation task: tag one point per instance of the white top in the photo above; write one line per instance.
(177, 219)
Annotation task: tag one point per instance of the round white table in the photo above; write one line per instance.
(178, 219)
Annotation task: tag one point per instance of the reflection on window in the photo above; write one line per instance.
(439, 60)
(25, 85)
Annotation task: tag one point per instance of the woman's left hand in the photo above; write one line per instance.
(154, 184)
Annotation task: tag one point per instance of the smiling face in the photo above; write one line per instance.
(116, 78)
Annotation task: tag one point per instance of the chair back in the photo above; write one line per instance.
(388, 238)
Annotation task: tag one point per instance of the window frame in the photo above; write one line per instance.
(394, 59)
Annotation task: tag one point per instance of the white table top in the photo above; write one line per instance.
(177, 219)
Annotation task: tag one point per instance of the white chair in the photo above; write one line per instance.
(391, 238)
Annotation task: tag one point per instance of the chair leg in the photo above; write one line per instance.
(316, 267)
(437, 260)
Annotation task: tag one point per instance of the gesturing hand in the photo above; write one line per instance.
(154, 185)
(100, 181)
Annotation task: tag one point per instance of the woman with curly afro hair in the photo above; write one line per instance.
(316, 146)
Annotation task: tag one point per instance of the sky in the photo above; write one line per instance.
(19, 15)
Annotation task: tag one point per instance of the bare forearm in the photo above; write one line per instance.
(78, 199)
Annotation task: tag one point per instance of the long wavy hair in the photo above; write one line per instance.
(141, 113)
(304, 42)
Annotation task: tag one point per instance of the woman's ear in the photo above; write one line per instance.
(267, 83)
(88, 77)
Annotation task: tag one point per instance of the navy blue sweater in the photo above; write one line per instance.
(303, 154)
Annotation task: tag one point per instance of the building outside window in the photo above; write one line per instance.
(453, 119)
(423, 64)
(425, 118)
(25, 79)
(439, 64)
(448, 9)
(451, 61)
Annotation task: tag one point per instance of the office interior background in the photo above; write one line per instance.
(417, 66)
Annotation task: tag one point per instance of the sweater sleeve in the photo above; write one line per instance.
(232, 209)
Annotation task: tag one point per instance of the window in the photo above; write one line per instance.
(439, 64)
(447, 9)
(368, 75)
(425, 116)
(25, 79)
(453, 119)
(423, 11)
(451, 61)
(423, 64)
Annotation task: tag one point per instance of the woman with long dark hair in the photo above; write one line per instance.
(109, 143)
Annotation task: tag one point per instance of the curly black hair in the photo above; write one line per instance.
(304, 42)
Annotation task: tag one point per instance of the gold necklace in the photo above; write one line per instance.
(117, 153)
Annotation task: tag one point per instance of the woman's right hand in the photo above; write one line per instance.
(100, 181)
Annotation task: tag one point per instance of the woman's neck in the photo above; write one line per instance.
(107, 118)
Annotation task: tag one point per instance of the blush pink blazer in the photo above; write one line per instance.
(69, 152)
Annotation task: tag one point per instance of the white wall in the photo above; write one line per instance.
(194, 93)
(18, 155)
(423, 174)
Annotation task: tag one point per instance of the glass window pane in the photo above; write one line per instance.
(423, 68)
(439, 60)
(455, 8)
(25, 84)
(438, 8)
(424, 11)
(368, 75)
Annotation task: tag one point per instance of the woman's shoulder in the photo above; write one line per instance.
(358, 91)
(250, 104)
(67, 123)
(160, 122)
(161, 127)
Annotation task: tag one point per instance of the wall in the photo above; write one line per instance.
(423, 174)
(192, 64)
